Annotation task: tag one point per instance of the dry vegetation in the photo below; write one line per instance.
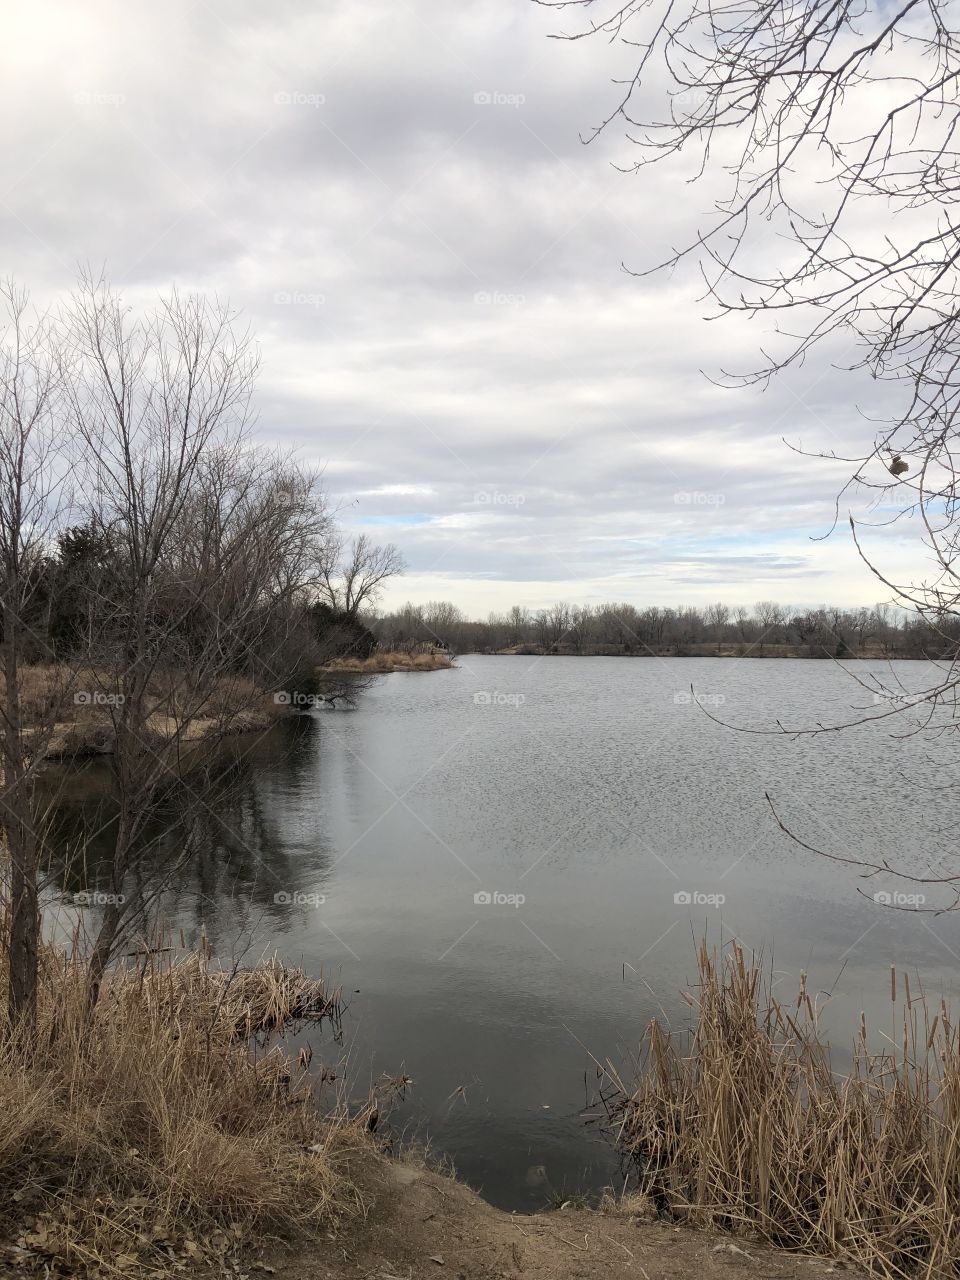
(747, 1127)
(235, 705)
(384, 662)
(164, 1132)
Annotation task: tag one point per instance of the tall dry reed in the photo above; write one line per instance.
(745, 1125)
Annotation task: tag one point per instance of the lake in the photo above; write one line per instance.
(508, 865)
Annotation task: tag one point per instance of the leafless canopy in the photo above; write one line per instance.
(354, 574)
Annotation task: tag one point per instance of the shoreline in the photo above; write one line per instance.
(76, 740)
(319, 1173)
(88, 734)
(798, 652)
(389, 661)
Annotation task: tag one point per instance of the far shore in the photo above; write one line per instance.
(746, 649)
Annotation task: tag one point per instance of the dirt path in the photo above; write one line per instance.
(423, 1224)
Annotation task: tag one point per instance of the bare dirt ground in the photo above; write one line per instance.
(423, 1224)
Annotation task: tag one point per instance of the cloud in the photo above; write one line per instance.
(397, 198)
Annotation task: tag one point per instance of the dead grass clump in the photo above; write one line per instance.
(746, 1127)
(163, 1131)
(430, 661)
(385, 661)
(42, 690)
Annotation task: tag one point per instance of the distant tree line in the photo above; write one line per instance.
(763, 630)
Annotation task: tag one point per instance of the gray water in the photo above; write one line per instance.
(611, 814)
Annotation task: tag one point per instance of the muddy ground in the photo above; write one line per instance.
(425, 1225)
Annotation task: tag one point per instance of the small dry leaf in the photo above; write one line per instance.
(731, 1248)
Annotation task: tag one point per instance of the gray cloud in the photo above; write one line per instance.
(396, 197)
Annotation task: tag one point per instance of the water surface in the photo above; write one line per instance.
(598, 792)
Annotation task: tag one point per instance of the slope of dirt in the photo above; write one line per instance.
(425, 1225)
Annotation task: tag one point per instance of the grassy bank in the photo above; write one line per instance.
(384, 662)
(745, 1127)
(175, 1136)
(161, 1133)
(83, 705)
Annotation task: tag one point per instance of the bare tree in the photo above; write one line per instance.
(581, 619)
(33, 500)
(216, 545)
(518, 620)
(718, 615)
(558, 622)
(771, 617)
(181, 582)
(354, 575)
(444, 622)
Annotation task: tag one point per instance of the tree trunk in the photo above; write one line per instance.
(24, 930)
(100, 956)
(24, 908)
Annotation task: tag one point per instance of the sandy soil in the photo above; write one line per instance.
(423, 1224)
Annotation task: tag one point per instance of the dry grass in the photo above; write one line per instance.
(42, 689)
(84, 727)
(163, 1133)
(747, 1128)
(384, 662)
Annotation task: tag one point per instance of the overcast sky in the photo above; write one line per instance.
(395, 194)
